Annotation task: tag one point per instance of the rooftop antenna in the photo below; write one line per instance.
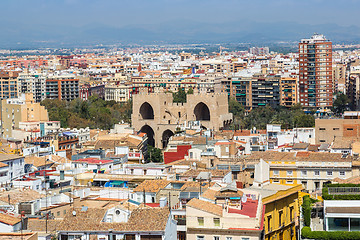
(144, 197)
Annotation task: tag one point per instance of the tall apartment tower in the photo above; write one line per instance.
(315, 73)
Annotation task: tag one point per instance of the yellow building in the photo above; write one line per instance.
(288, 91)
(22, 109)
(311, 169)
(282, 211)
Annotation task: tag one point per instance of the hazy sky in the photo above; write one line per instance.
(120, 13)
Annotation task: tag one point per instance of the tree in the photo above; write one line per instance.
(154, 154)
(340, 104)
(238, 112)
(236, 108)
(190, 91)
(179, 96)
(95, 112)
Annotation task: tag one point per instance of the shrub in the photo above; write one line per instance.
(327, 196)
(323, 235)
(306, 210)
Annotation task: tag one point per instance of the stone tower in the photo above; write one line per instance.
(157, 115)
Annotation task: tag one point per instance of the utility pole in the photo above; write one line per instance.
(144, 197)
(46, 200)
(169, 202)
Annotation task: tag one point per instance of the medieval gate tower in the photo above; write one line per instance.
(157, 115)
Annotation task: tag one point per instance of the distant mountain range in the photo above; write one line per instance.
(181, 31)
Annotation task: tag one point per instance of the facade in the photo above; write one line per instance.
(254, 91)
(9, 85)
(117, 93)
(282, 213)
(315, 73)
(62, 88)
(353, 90)
(9, 223)
(288, 91)
(230, 219)
(339, 77)
(16, 166)
(311, 169)
(327, 130)
(341, 215)
(156, 115)
(24, 109)
(34, 83)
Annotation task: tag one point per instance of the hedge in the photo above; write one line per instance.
(333, 235)
(306, 210)
(327, 196)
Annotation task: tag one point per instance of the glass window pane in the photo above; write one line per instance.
(355, 224)
(338, 224)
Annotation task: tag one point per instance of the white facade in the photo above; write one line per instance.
(339, 216)
(6, 228)
(16, 167)
(34, 184)
(117, 93)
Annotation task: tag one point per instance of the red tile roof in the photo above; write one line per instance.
(93, 161)
(249, 208)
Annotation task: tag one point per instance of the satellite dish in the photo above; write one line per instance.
(243, 199)
(74, 213)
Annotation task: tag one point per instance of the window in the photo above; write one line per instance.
(58, 213)
(276, 172)
(216, 238)
(64, 211)
(289, 172)
(217, 222)
(245, 238)
(269, 223)
(342, 173)
(316, 172)
(291, 214)
(228, 238)
(280, 218)
(200, 221)
(200, 237)
(322, 129)
(329, 173)
(289, 182)
(349, 129)
(335, 129)
(303, 172)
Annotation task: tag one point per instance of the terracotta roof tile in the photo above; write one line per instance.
(214, 173)
(298, 156)
(151, 185)
(39, 225)
(205, 206)
(8, 219)
(18, 196)
(209, 194)
(141, 219)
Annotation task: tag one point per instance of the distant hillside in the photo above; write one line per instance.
(180, 31)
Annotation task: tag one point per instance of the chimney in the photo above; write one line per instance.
(163, 202)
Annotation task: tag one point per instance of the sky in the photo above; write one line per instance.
(24, 21)
(119, 13)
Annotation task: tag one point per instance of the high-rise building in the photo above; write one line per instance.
(62, 88)
(8, 84)
(315, 73)
(33, 82)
